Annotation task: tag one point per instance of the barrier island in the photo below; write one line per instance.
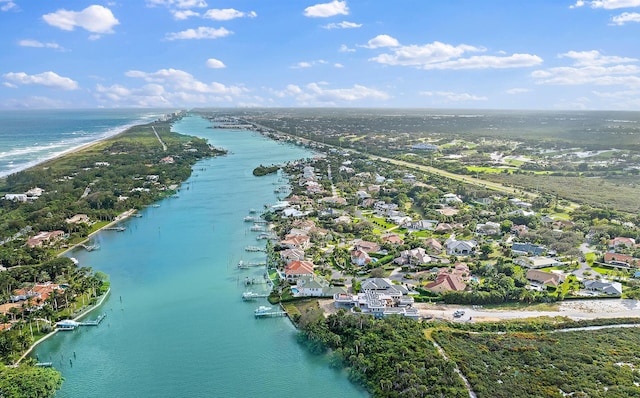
(58, 204)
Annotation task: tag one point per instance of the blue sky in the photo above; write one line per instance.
(500, 54)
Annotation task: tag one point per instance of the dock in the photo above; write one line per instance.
(267, 312)
(90, 248)
(255, 249)
(44, 364)
(117, 229)
(249, 296)
(247, 264)
(69, 324)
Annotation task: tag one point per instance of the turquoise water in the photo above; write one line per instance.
(176, 325)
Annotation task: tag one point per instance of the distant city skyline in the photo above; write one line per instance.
(469, 54)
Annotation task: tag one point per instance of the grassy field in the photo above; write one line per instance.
(598, 192)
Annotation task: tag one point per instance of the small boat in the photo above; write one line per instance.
(67, 324)
(252, 211)
(249, 219)
(262, 310)
(248, 296)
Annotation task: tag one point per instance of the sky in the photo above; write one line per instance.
(471, 54)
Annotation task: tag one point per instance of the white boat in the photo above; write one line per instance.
(262, 310)
(249, 219)
(248, 296)
(67, 324)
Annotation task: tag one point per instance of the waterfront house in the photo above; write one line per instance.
(45, 238)
(78, 219)
(289, 255)
(301, 242)
(379, 297)
(297, 269)
(312, 286)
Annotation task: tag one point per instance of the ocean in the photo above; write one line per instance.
(176, 324)
(30, 137)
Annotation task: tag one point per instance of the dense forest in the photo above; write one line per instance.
(396, 356)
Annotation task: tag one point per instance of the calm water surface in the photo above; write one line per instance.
(176, 325)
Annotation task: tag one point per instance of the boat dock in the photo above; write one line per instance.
(249, 296)
(247, 264)
(90, 248)
(44, 364)
(267, 312)
(69, 324)
(255, 249)
(118, 229)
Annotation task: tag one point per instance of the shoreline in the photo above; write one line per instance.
(83, 313)
(117, 131)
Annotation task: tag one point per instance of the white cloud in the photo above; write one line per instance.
(488, 62)
(215, 63)
(200, 33)
(178, 3)
(38, 44)
(183, 82)
(317, 94)
(607, 4)
(338, 65)
(308, 64)
(449, 96)
(593, 58)
(6, 5)
(302, 65)
(345, 49)
(227, 14)
(438, 55)
(517, 90)
(625, 17)
(181, 15)
(355, 93)
(49, 79)
(327, 9)
(591, 67)
(343, 25)
(95, 19)
(382, 41)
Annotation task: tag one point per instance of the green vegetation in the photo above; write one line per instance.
(390, 356)
(128, 171)
(28, 382)
(264, 170)
(582, 363)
